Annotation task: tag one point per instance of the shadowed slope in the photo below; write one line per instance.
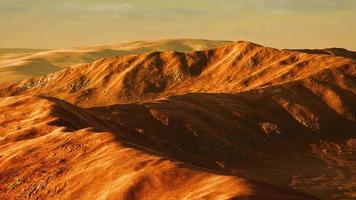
(89, 164)
(226, 133)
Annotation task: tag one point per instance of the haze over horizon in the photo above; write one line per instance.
(277, 23)
(173, 99)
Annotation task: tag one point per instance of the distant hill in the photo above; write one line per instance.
(19, 64)
(331, 51)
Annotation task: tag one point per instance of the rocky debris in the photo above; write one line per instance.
(17, 182)
(350, 117)
(69, 147)
(140, 130)
(176, 77)
(305, 116)
(78, 84)
(220, 164)
(270, 128)
(84, 95)
(190, 129)
(35, 188)
(250, 63)
(159, 116)
(301, 113)
(43, 81)
(27, 84)
(35, 83)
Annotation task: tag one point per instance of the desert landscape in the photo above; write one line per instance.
(179, 119)
(177, 100)
(19, 64)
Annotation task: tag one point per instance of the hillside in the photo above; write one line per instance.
(88, 163)
(331, 51)
(19, 64)
(236, 67)
(239, 121)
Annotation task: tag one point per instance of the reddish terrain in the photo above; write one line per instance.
(240, 121)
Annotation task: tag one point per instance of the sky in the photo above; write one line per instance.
(276, 23)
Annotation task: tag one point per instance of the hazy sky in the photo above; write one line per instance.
(277, 23)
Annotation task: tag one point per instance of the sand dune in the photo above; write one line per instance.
(240, 121)
(19, 64)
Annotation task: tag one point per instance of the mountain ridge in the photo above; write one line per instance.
(18, 64)
(245, 66)
(238, 121)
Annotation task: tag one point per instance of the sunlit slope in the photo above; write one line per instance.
(18, 64)
(53, 150)
(331, 51)
(236, 67)
(238, 121)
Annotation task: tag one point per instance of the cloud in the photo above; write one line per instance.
(66, 19)
(77, 7)
(291, 5)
